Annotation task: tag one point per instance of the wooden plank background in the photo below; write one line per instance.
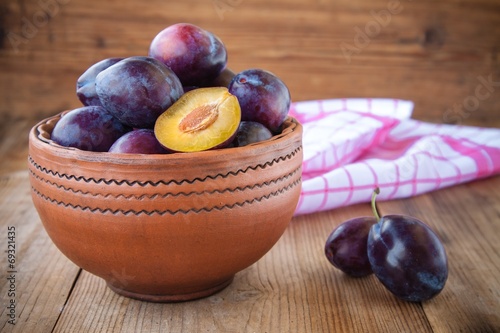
(291, 289)
(443, 55)
(438, 54)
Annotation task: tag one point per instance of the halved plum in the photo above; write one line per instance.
(202, 119)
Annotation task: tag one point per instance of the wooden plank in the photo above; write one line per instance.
(14, 143)
(291, 289)
(466, 218)
(42, 276)
(428, 52)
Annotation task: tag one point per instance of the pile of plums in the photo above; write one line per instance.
(181, 97)
(402, 251)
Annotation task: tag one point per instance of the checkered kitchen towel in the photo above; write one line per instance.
(352, 146)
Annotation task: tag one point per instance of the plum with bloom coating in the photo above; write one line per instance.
(196, 55)
(137, 90)
(90, 128)
(407, 257)
(139, 141)
(85, 85)
(263, 97)
(251, 132)
(345, 248)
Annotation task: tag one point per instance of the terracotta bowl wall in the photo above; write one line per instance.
(166, 227)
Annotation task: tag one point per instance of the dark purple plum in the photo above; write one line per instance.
(251, 132)
(223, 79)
(89, 128)
(263, 97)
(346, 247)
(407, 257)
(189, 88)
(85, 85)
(140, 141)
(197, 56)
(137, 90)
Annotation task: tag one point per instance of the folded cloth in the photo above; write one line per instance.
(352, 146)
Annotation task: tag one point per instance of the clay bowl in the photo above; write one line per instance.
(166, 228)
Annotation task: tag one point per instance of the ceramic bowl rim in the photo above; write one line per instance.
(40, 137)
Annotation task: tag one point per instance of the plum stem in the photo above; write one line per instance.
(374, 205)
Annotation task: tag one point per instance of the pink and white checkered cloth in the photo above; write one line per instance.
(352, 146)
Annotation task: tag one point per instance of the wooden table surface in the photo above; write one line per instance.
(441, 55)
(291, 289)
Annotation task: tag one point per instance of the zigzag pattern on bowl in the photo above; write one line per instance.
(167, 194)
(162, 182)
(67, 190)
(169, 212)
(180, 224)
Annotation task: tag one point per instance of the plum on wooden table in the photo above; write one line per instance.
(404, 253)
(346, 247)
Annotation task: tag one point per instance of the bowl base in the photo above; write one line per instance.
(171, 298)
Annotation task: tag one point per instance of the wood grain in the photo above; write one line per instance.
(292, 288)
(466, 219)
(435, 54)
(43, 276)
(14, 143)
